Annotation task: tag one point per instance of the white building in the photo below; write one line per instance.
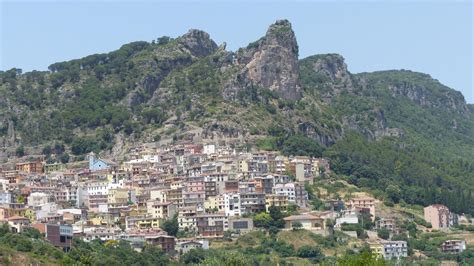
(37, 199)
(232, 204)
(287, 190)
(347, 217)
(394, 249)
(209, 149)
(46, 210)
(5, 197)
(98, 188)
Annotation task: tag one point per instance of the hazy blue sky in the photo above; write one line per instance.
(433, 37)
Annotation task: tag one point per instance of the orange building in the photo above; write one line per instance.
(30, 167)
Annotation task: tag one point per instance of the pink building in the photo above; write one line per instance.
(438, 215)
(363, 203)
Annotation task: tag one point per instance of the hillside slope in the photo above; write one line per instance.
(401, 134)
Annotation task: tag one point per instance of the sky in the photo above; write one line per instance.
(434, 37)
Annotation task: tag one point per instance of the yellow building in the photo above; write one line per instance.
(30, 167)
(243, 166)
(280, 201)
(117, 197)
(211, 203)
(158, 195)
(53, 167)
(377, 248)
(30, 214)
(97, 221)
(141, 222)
(7, 212)
(161, 210)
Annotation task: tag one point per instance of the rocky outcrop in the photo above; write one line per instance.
(198, 43)
(332, 67)
(419, 88)
(422, 96)
(326, 73)
(272, 62)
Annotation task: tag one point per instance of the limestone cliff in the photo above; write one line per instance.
(272, 62)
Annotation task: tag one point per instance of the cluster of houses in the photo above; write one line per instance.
(209, 188)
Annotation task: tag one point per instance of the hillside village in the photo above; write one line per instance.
(187, 195)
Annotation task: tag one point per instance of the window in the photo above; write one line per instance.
(62, 239)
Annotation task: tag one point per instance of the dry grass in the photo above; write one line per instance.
(468, 236)
(297, 238)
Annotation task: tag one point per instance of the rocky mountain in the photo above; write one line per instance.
(395, 127)
(271, 62)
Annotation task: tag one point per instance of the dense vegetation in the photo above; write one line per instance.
(112, 252)
(94, 253)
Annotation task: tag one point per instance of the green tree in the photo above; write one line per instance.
(171, 226)
(263, 220)
(194, 256)
(58, 148)
(20, 151)
(277, 217)
(83, 145)
(47, 150)
(301, 145)
(4, 229)
(307, 251)
(64, 158)
(21, 199)
(394, 193)
(383, 233)
(297, 225)
(32, 233)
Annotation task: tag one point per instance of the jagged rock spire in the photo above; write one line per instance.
(272, 61)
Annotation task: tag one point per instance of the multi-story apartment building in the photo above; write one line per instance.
(141, 222)
(453, 246)
(187, 218)
(280, 201)
(30, 167)
(58, 235)
(264, 184)
(387, 223)
(252, 203)
(175, 195)
(211, 225)
(390, 249)
(161, 210)
(210, 189)
(37, 199)
(439, 216)
(6, 197)
(232, 204)
(118, 197)
(363, 204)
(395, 249)
(295, 193)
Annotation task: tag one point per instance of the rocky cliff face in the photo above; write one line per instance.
(421, 96)
(419, 88)
(327, 74)
(272, 62)
(332, 67)
(198, 43)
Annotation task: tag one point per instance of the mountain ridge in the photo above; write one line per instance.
(189, 88)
